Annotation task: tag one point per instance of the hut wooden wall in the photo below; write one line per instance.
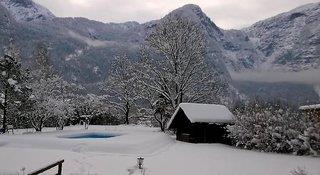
(198, 132)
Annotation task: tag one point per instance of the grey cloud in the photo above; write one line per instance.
(231, 15)
(227, 13)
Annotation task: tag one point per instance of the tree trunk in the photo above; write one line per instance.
(181, 97)
(127, 107)
(162, 127)
(39, 129)
(161, 123)
(176, 100)
(5, 105)
(127, 117)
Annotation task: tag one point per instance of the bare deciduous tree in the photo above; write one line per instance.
(47, 89)
(178, 71)
(120, 86)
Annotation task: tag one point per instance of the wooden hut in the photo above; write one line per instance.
(201, 123)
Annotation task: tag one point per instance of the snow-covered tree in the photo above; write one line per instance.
(162, 112)
(120, 87)
(48, 90)
(46, 104)
(64, 107)
(12, 87)
(178, 72)
(91, 105)
(173, 69)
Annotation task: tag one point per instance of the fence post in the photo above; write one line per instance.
(60, 169)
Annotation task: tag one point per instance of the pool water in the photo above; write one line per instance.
(90, 136)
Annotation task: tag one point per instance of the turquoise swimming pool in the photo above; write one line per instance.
(92, 135)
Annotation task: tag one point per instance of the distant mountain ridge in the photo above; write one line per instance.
(81, 49)
(27, 10)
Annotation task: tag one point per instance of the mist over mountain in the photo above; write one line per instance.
(284, 49)
(81, 49)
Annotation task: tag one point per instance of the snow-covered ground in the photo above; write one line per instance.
(117, 155)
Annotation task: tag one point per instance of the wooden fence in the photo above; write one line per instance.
(58, 163)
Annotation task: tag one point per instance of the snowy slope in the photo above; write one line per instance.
(27, 10)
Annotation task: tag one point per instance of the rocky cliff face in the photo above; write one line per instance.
(26, 10)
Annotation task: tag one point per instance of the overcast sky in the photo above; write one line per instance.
(225, 13)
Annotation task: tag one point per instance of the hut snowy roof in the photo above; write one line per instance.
(203, 113)
(310, 107)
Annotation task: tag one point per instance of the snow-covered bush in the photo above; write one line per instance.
(95, 106)
(273, 129)
(299, 171)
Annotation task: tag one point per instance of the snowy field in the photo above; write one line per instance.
(117, 155)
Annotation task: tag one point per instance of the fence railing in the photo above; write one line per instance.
(58, 163)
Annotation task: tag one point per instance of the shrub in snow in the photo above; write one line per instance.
(299, 171)
(273, 129)
(95, 106)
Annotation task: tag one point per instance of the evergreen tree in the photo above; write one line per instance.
(12, 87)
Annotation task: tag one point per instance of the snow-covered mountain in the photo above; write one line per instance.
(27, 10)
(81, 49)
(287, 42)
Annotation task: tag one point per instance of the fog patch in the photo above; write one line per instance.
(311, 77)
(89, 41)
